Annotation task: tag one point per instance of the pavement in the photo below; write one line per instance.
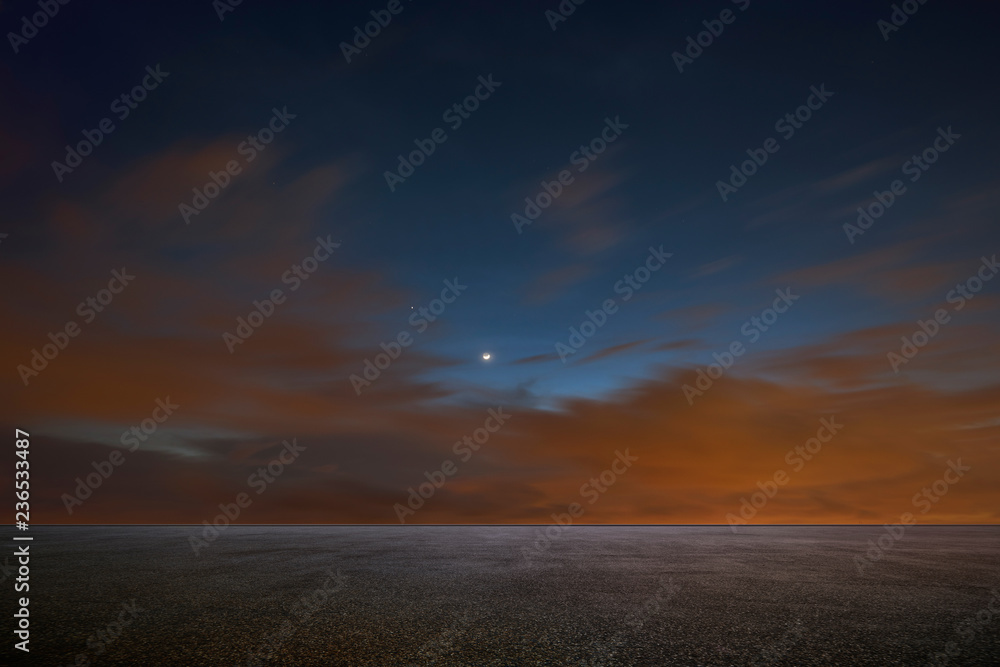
(491, 595)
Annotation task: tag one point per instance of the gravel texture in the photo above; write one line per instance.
(466, 595)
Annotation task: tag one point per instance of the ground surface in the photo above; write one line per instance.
(468, 596)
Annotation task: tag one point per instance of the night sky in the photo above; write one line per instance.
(604, 207)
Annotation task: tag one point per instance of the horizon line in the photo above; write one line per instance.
(550, 523)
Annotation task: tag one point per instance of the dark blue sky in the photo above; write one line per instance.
(655, 185)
